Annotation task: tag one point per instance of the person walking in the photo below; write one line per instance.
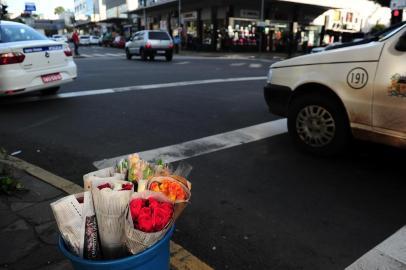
(75, 39)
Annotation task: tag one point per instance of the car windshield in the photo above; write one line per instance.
(384, 34)
(158, 36)
(14, 33)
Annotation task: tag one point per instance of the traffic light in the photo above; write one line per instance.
(397, 16)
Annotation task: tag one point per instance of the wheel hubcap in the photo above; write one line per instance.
(315, 126)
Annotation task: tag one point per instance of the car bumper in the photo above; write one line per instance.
(19, 81)
(158, 51)
(277, 97)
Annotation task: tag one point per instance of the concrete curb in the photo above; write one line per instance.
(181, 259)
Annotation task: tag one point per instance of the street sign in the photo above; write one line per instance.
(397, 4)
(29, 7)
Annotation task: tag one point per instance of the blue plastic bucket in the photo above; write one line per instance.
(154, 258)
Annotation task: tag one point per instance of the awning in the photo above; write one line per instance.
(325, 3)
(152, 5)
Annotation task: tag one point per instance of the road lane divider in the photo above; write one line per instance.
(105, 91)
(208, 144)
(180, 258)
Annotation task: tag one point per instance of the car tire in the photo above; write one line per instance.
(152, 57)
(169, 56)
(318, 124)
(50, 91)
(143, 55)
(128, 54)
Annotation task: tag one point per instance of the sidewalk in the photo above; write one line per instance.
(28, 232)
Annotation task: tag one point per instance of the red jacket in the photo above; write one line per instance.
(75, 37)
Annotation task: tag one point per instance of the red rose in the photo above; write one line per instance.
(128, 186)
(135, 208)
(145, 211)
(107, 185)
(153, 203)
(145, 223)
(167, 206)
(160, 218)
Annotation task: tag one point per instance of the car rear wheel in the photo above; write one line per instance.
(169, 56)
(143, 55)
(128, 54)
(152, 57)
(50, 91)
(318, 124)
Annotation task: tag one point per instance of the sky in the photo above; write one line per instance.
(45, 7)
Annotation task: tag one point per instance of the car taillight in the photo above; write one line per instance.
(171, 45)
(148, 45)
(67, 51)
(11, 58)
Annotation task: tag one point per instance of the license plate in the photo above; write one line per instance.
(51, 77)
(160, 51)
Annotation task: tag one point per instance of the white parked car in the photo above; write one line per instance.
(29, 61)
(84, 40)
(59, 38)
(357, 90)
(94, 40)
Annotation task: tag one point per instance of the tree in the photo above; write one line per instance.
(59, 10)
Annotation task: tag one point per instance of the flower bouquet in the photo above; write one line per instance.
(176, 188)
(77, 223)
(148, 218)
(110, 201)
(107, 174)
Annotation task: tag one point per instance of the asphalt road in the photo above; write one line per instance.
(261, 205)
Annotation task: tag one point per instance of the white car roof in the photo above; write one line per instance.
(10, 23)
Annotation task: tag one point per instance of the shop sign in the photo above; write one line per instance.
(397, 4)
(250, 14)
(189, 16)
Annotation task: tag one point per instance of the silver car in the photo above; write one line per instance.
(150, 43)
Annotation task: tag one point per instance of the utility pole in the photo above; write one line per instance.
(261, 21)
(179, 25)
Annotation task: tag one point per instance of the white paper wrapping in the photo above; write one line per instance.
(136, 240)
(107, 174)
(110, 207)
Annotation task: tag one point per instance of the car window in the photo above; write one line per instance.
(14, 33)
(158, 36)
(84, 37)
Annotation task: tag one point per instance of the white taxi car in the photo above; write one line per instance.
(357, 90)
(29, 61)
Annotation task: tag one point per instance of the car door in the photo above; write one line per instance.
(131, 44)
(389, 103)
(138, 42)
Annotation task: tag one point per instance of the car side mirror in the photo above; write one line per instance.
(401, 45)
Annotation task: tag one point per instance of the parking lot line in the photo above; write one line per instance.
(208, 144)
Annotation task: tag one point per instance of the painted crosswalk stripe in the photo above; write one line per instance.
(131, 88)
(390, 254)
(208, 144)
(237, 64)
(183, 63)
(85, 55)
(114, 54)
(255, 65)
(98, 54)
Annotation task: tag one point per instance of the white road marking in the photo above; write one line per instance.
(114, 54)
(208, 144)
(388, 255)
(85, 55)
(255, 65)
(98, 54)
(182, 63)
(131, 88)
(237, 64)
